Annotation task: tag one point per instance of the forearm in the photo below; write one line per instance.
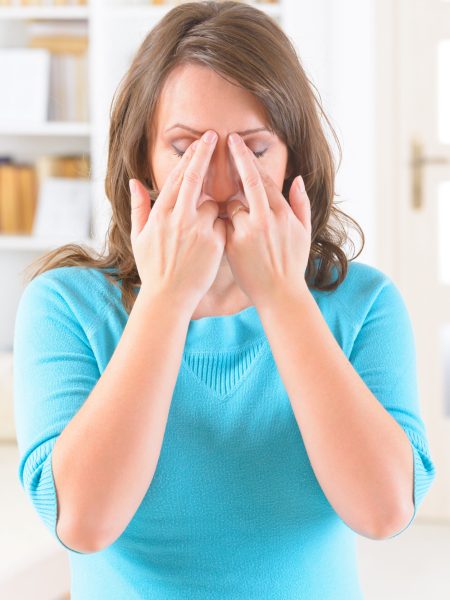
(105, 458)
(360, 455)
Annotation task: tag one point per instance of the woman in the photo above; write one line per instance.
(219, 406)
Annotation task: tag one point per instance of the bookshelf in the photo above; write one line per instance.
(22, 142)
(114, 31)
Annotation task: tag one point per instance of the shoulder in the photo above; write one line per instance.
(363, 282)
(365, 289)
(78, 292)
(73, 282)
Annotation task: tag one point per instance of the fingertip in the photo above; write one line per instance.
(132, 184)
(300, 184)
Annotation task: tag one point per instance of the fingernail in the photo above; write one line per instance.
(300, 183)
(132, 184)
(233, 138)
(210, 136)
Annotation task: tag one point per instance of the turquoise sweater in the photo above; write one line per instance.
(234, 510)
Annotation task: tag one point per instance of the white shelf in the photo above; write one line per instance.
(50, 128)
(44, 12)
(28, 242)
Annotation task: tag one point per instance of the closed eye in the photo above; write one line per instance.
(180, 153)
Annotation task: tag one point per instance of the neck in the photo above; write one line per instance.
(224, 296)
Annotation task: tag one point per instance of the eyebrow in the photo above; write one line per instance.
(241, 133)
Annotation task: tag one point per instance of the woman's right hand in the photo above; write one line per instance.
(178, 247)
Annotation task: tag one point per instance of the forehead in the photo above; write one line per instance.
(200, 98)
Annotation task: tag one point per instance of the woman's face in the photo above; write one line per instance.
(194, 97)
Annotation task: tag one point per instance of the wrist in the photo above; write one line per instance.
(281, 295)
(168, 300)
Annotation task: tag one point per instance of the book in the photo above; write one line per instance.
(27, 197)
(18, 192)
(25, 78)
(67, 42)
(10, 221)
(20, 184)
(63, 209)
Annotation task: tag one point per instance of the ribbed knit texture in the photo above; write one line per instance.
(234, 510)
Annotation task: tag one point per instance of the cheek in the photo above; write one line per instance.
(163, 163)
(275, 164)
(276, 171)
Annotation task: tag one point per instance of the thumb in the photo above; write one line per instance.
(299, 201)
(140, 207)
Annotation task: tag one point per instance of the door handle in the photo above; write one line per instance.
(418, 161)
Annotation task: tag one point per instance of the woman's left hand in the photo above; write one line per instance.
(268, 246)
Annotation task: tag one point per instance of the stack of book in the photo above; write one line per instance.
(20, 184)
(67, 44)
(48, 79)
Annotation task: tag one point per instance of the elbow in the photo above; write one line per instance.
(76, 539)
(389, 525)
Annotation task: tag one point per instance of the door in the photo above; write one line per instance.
(423, 217)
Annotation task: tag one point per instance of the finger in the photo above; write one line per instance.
(220, 228)
(191, 186)
(140, 207)
(300, 203)
(231, 207)
(277, 201)
(209, 209)
(167, 198)
(251, 179)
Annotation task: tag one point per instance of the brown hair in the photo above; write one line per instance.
(244, 44)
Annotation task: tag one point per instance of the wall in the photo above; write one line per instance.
(335, 41)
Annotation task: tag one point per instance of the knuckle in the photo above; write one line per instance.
(266, 180)
(262, 226)
(205, 230)
(180, 227)
(202, 234)
(192, 176)
(158, 218)
(252, 180)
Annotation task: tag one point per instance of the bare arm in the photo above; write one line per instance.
(104, 460)
(360, 454)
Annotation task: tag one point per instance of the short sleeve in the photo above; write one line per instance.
(54, 371)
(384, 355)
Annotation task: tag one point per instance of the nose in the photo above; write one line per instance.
(222, 180)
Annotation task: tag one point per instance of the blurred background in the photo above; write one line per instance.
(382, 69)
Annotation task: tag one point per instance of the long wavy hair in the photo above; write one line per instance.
(245, 45)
